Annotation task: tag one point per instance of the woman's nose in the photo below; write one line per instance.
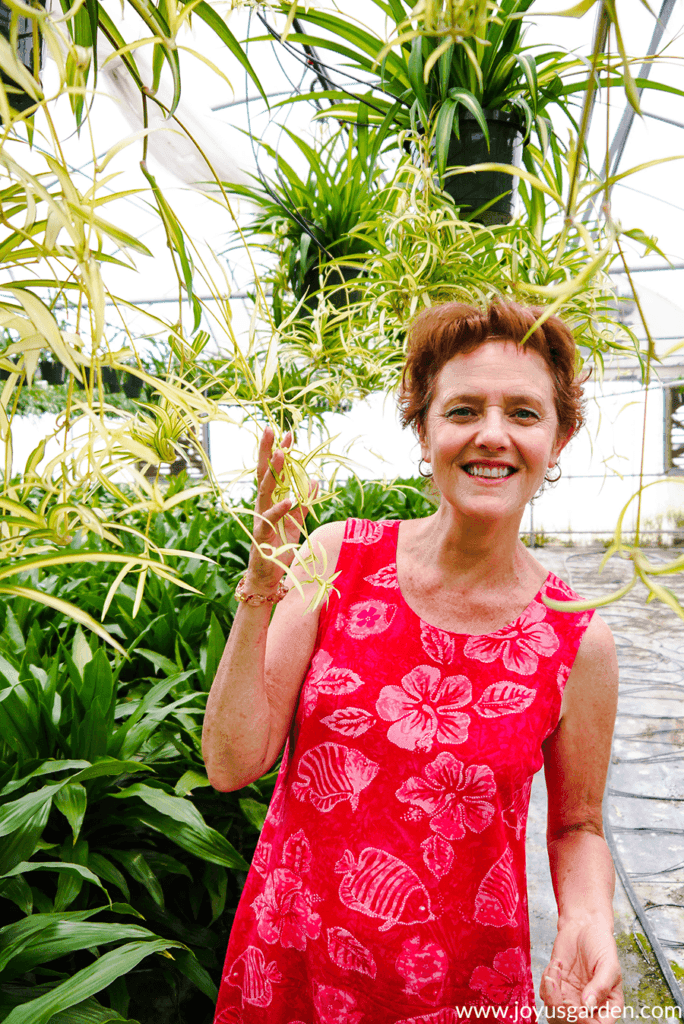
(492, 433)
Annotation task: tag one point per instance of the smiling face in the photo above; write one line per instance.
(491, 430)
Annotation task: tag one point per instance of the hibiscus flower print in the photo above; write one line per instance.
(284, 912)
(519, 645)
(507, 983)
(366, 617)
(456, 798)
(424, 709)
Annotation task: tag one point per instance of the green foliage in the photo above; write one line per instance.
(112, 842)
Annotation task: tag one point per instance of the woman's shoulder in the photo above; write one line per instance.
(324, 544)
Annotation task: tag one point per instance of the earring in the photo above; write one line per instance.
(426, 476)
(554, 479)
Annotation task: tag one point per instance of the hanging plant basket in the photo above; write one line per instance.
(30, 55)
(5, 374)
(132, 386)
(52, 372)
(472, 191)
(110, 380)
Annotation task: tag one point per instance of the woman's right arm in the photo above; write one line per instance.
(252, 699)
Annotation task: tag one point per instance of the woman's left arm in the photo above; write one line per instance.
(584, 968)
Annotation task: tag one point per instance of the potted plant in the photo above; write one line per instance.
(29, 53)
(481, 96)
(52, 372)
(313, 220)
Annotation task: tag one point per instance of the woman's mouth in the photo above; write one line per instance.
(495, 472)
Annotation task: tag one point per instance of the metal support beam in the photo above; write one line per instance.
(619, 142)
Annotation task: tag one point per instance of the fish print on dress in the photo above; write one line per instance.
(385, 577)
(425, 709)
(497, 899)
(324, 677)
(381, 885)
(423, 968)
(347, 952)
(330, 773)
(387, 885)
(520, 646)
(229, 1016)
(254, 977)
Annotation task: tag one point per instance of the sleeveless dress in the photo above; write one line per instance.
(388, 885)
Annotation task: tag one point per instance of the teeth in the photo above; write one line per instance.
(492, 471)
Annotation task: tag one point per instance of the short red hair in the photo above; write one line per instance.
(454, 328)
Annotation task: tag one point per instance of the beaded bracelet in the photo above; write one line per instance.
(256, 599)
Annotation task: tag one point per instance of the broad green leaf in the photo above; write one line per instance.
(215, 22)
(188, 964)
(254, 811)
(104, 869)
(66, 608)
(175, 807)
(443, 134)
(207, 843)
(139, 869)
(190, 780)
(52, 865)
(87, 982)
(18, 891)
(49, 767)
(23, 842)
(65, 937)
(17, 813)
(72, 801)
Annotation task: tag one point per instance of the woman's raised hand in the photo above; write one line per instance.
(263, 573)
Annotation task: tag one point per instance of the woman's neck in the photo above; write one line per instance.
(465, 551)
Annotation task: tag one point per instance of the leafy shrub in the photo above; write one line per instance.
(113, 846)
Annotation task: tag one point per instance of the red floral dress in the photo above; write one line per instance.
(388, 885)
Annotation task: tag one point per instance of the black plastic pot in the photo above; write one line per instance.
(471, 191)
(110, 380)
(52, 372)
(336, 281)
(132, 386)
(32, 61)
(5, 374)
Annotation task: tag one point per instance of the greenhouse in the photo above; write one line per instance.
(359, 271)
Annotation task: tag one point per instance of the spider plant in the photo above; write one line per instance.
(310, 221)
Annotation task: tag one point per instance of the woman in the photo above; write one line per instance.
(388, 886)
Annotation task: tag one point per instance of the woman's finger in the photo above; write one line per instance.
(606, 979)
(265, 447)
(271, 516)
(550, 987)
(269, 481)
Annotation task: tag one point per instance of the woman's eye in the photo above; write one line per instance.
(525, 414)
(461, 412)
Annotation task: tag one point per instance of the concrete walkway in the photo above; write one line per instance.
(645, 801)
